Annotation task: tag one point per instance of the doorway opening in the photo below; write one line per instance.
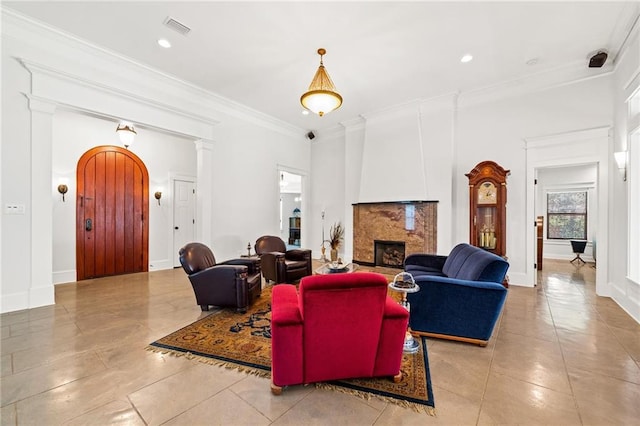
(290, 208)
(566, 211)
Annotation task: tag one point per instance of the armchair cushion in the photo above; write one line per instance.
(233, 283)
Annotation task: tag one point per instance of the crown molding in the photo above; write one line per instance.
(130, 73)
(627, 31)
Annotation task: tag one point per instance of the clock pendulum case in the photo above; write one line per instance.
(488, 207)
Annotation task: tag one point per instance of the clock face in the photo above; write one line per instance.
(487, 193)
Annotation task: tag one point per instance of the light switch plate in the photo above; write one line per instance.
(14, 209)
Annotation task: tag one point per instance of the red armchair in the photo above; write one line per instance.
(338, 326)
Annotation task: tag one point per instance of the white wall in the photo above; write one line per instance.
(553, 179)
(456, 133)
(626, 82)
(45, 73)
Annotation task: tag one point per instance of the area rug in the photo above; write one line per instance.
(243, 342)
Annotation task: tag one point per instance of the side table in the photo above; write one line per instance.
(406, 285)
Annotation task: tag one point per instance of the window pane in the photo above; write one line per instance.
(567, 226)
(567, 215)
(567, 202)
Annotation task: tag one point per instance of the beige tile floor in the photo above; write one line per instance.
(559, 356)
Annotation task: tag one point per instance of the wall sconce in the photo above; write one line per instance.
(63, 188)
(126, 133)
(158, 195)
(621, 162)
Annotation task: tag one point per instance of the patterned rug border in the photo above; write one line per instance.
(342, 386)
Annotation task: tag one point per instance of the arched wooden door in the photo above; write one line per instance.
(112, 211)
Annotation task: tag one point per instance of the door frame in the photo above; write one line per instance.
(172, 256)
(567, 149)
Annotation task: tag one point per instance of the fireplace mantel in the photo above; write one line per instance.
(412, 222)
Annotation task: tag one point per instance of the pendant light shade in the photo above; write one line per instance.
(322, 96)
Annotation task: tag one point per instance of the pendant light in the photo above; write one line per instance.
(322, 96)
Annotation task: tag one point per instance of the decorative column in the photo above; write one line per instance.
(41, 291)
(204, 191)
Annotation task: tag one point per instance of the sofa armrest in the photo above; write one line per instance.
(286, 336)
(426, 260)
(487, 285)
(454, 307)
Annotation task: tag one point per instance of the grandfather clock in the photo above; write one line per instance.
(488, 207)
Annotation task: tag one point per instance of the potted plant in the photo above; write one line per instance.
(336, 235)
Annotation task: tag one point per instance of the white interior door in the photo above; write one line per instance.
(184, 215)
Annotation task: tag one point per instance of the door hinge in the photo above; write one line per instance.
(142, 217)
(535, 181)
(193, 221)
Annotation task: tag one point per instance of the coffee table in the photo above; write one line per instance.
(328, 269)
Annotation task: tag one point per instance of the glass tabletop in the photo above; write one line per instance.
(331, 268)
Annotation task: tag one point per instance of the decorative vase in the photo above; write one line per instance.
(334, 255)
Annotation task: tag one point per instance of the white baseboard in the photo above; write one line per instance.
(158, 265)
(60, 277)
(518, 279)
(41, 296)
(34, 298)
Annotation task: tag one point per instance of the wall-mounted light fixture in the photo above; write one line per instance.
(621, 162)
(126, 133)
(158, 195)
(62, 187)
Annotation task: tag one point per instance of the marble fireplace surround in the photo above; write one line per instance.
(388, 221)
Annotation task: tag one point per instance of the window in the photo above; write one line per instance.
(410, 217)
(567, 215)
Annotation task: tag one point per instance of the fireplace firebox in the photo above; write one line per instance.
(389, 253)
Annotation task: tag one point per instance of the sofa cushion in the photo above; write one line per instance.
(467, 262)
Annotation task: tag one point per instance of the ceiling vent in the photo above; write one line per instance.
(177, 26)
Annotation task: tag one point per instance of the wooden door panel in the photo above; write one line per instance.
(120, 213)
(99, 229)
(112, 193)
(110, 215)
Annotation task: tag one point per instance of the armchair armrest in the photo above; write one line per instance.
(220, 274)
(253, 265)
(286, 331)
(298, 254)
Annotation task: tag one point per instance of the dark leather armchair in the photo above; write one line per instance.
(279, 264)
(234, 283)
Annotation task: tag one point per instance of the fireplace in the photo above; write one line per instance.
(412, 224)
(389, 253)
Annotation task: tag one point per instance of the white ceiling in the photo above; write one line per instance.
(379, 54)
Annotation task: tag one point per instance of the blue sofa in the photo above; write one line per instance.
(461, 295)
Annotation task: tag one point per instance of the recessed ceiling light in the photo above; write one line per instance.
(164, 43)
(305, 112)
(466, 58)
